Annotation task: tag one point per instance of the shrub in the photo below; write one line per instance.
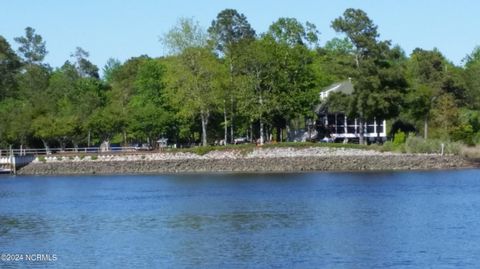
(471, 152)
(388, 146)
(399, 138)
(463, 133)
(203, 150)
(42, 159)
(416, 144)
(476, 138)
(93, 157)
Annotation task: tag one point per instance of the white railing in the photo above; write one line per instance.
(43, 151)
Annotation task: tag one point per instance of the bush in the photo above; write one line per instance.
(399, 138)
(476, 138)
(42, 159)
(388, 146)
(471, 152)
(463, 133)
(203, 150)
(416, 144)
(94, 157)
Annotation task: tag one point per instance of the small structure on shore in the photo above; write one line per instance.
(162, 142)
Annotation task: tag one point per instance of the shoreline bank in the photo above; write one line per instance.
(258, 161)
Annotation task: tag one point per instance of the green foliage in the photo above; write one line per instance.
(463, 133)
(187, 33)
(337, 102)
(445, 116)
(399, 139)
(203, 150)
(416, 144)
(110, 68)
(291, 32)
(472, 79)
(84, 66)
(229, 29)
(231, 78)
(389, 146)
(9, 68)
(377, 77)
(32, 47)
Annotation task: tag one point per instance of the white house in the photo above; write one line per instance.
(340, 127)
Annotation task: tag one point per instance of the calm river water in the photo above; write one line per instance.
(311, 220)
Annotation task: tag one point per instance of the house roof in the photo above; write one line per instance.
(345, 87)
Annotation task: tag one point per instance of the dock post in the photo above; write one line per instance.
(13, 164)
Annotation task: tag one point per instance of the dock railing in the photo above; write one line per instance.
(49, 151)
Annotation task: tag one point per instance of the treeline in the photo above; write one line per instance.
(228, 81)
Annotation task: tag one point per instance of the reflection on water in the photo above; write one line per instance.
(236, 221)
(13, 226)
(312, 220)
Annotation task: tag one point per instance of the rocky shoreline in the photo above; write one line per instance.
(273, 160)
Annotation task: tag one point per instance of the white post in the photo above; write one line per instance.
(345, 126)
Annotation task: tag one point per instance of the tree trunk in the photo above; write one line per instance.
(45, 144)
(361, 133)
(425, 130)
(261, 132)
(357, 61)
(62, 144)
(232, 137)
(88, 140)
(287, 130)
(204, 118)
(75, 146)
(251, 132)
(225, 121)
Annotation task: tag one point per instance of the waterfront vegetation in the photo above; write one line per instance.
(227, 81)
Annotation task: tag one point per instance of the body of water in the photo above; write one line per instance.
(311, 220)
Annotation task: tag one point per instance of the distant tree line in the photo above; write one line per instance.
(228, 81)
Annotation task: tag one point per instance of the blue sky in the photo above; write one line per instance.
(124, 29)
